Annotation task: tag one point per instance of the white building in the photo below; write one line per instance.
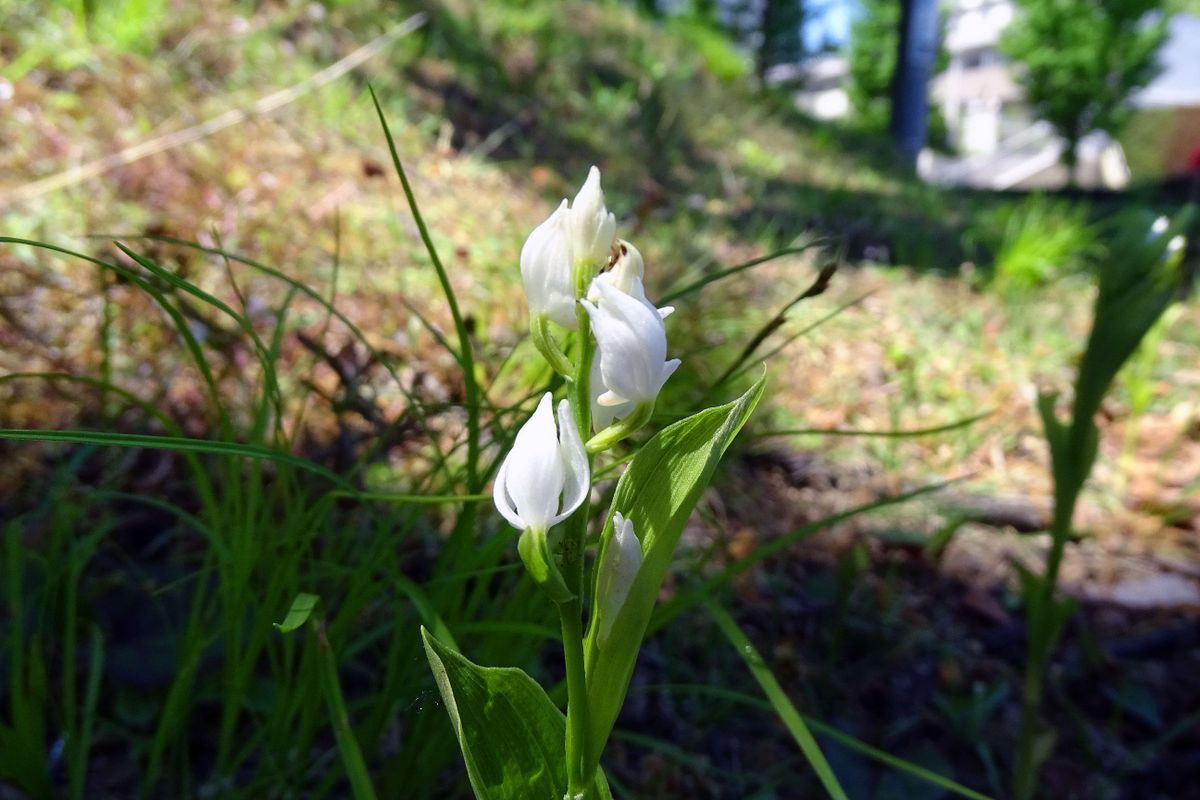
(822, 80)
(979, 99)
(999, 143)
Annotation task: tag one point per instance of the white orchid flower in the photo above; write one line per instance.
(632, 343)
(603, 416)
(592, 226)
(626, 274)
(546, 270)
(617, 570)
(545, 476)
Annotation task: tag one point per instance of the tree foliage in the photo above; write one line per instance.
(1082, 59)
(874, 37)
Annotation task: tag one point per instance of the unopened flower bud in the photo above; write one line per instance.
(1175, 245)
(592, 226)
(626, 274)
(617, 571)
(546, 270)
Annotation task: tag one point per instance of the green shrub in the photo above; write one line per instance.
(1037, 241)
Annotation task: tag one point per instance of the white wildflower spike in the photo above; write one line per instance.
(545, 476)
(617, 570)
(546, 269)
(632, 343)
(592, 226)
(1175, 246)
(626, 274)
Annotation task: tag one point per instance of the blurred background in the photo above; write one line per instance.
(966, 165)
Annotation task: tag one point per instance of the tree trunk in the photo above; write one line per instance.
(1071, 160)
(915, 54)
(896, 123)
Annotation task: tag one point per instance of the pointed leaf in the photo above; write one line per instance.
(658, 492)
(512, 736)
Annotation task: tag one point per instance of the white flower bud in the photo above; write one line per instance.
(616, 572)
(546, 269)
(632, 343)
(1175, 246)
(1159, 227)
(627, 271)
(592, 226)
(626, 274)
(546, 464)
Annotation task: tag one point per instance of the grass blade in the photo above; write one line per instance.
(700, 283)
(779, 699)
(825, 729)
(352, 758)
(87, 727)
(824, 276)
(180, 444)
(466, 355)
(893, 434)
(177, 319)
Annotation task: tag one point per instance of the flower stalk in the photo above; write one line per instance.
(617, 367)
(608, 438)
(571, 612)
(543, 340)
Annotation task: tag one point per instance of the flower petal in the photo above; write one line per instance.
(632, 343)
(593, 228)
(546, 269)
(504, 503)
(668, 369)
(576, 476)
(604, 414)
(534, 478)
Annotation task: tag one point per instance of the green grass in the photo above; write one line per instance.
(251, 526)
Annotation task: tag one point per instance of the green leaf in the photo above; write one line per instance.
(783, 706)
(657, 492)
(512, 736)
(180, 444)
(298, 614)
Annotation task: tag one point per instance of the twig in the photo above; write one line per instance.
(266, 105)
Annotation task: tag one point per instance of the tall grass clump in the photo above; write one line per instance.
(1035, 242)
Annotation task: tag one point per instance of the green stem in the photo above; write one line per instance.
(1025, 769)
(1043, 622)
(616, 432)
(539, 330)
(571, 612)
